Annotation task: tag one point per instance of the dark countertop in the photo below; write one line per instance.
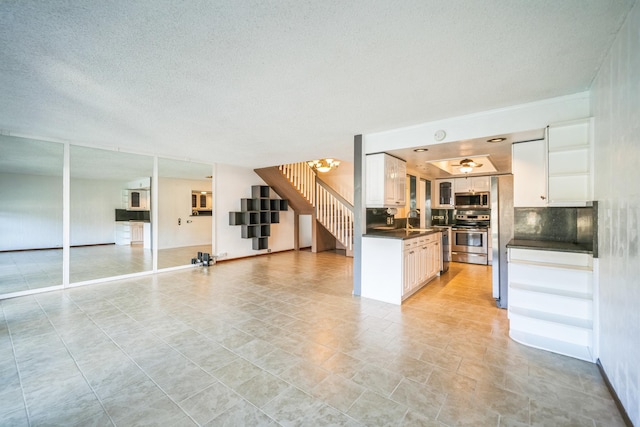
(548, 245)
(400, 233)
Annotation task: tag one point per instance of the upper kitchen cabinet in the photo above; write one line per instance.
(570, 163)
(442, 194)
(529, 174)
(138, 200)
(385, 181)
(473, 184)
(143, 183)
(138, 193)
(555, 171)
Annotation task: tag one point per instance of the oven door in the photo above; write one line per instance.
(470, 241)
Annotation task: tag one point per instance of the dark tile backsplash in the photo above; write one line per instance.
(573, 225)
(442, 216)
(377, 218)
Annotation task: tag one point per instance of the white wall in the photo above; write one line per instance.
(232, 183)
(174, 201)
(93, 210)
(340, 180)
(519, 118)
(616, 111)
(305, 238)
(30, 211)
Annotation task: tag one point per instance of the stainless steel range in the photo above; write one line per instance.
(470, 240)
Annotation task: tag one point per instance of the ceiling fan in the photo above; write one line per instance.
(467, 165)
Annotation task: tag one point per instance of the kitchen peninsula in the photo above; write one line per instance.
(397, 263)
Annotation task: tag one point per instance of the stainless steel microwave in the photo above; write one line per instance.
(472, 200)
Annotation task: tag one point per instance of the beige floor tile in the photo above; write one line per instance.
(372, 409)
(338, 392)
(465, 412)
(210, 402)
(377, 379)
(419, 398)
(304, 375)
(242, 414)
(262, 388)
(237, 372)
(292, 407)
(279, 340)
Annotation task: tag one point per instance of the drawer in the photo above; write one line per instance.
(551, 258)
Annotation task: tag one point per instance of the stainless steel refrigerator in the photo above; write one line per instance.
(501, 234)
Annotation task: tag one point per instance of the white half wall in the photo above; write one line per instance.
(30, 211)
(232, 183)
(616, 111)
(518, 118)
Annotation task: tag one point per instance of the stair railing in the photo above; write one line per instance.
(333, 211)
(303, 178)
(335, 214)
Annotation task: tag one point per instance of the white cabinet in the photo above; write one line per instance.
(123, 233)
(394, 269)
(434, 258)
(529, 174)
(421, 262)
(551, 304)
(137, 232)
(138, 200)
(433, 255)
(556, 171)
(143, 183)
(570, 163)
(410, 266)
(385, 181)
(139, 194)
(442, 194)
(472, 184)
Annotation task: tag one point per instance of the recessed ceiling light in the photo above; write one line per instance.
(420, 150)
(496, 139)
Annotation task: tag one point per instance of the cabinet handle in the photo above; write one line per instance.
(542, 197)
(410, 252)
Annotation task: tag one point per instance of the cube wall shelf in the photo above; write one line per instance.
(257, 214)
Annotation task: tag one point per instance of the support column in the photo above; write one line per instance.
(359, 212)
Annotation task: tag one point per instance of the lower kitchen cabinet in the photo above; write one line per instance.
(551, 304)
(137, 232)
(394, 269)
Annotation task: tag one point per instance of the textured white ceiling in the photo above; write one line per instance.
(259, 83)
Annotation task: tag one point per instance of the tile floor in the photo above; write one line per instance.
(27, 270)
(279, 340)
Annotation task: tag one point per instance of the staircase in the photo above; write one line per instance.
(307, 194)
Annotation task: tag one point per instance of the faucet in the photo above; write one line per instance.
(408, 226)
